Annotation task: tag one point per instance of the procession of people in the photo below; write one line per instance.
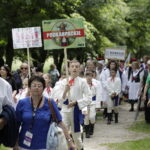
(92, 86)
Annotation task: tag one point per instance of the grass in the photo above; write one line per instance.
(99, 115)
(143, 144)
(140, 126)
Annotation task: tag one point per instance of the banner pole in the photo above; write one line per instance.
(28, 53)
(66, 64)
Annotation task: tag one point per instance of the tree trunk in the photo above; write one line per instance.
(1, 56)
(38, 55)
(58, 56)
(9, 51)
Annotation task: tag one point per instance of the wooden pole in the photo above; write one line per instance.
(66, 64)
(28, 53)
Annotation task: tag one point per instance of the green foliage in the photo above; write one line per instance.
(107, 23)
(139, 29)
(90, 31)
(109, 19)
(3, 43)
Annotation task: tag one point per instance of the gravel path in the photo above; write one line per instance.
(114, 133)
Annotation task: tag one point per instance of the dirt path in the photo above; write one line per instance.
(114, 133)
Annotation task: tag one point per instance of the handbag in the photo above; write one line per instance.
(56, 139)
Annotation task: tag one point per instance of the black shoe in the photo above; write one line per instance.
(91, 129)
(112, 115)
(109, 118)
(87, 135)
(131, 110)
(87, 129)
(132, 106)
(116, 117)
(105, 114)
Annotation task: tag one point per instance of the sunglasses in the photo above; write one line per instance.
(24, 68)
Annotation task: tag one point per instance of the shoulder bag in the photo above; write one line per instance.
(56, 139)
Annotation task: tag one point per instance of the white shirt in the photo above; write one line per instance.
(113, 86)
(79, 92)
(47, 92)
(103, 78)
(22, 94)
(5, 94)
(98, 88)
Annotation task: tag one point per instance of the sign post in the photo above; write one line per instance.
(63, 34)
(28, 54)
(66, 63)
(27, 38)
(115, 53)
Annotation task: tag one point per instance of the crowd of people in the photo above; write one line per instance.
(93, 86)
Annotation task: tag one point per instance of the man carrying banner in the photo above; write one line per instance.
(74, 95)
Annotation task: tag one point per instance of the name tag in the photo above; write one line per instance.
(28, 139)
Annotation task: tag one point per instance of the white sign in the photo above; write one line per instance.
(112, 53)
(26, 37)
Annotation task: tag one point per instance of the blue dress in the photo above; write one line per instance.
(41, 123)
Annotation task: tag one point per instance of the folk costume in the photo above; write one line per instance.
(104, 76)
(113, 86)
(47, 92)
(134, 84)
(72, 117)
(89, 119)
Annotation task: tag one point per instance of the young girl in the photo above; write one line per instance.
(48, 90)
(89, 119)
(22, 92)
(113, 89)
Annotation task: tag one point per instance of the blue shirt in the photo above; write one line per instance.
(41, 123)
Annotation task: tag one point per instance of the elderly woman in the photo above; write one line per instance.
(34, 117)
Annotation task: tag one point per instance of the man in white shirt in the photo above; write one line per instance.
(74, 95)
(5, 98)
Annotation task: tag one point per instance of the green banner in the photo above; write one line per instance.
(63, 33)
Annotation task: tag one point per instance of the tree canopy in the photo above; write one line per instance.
(107, 23)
